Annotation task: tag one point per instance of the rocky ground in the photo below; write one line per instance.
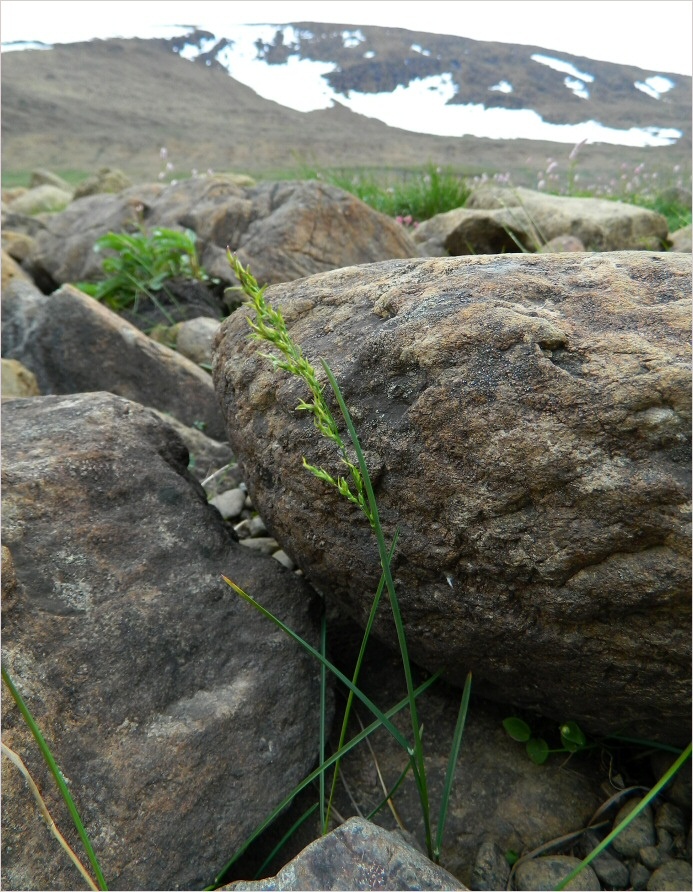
(541, 405)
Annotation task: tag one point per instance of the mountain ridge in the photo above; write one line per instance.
(116, 102)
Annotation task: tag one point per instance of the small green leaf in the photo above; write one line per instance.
(538, 750)
(572, 737)
(511, 856)
(517, 729)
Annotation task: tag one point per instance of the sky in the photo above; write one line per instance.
(651, 34)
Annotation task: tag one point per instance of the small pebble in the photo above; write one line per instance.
(669, 817)
(639, 876)
(251, 528)
(264, 544)
(675, 875)
(284, 559)
(491, 869)
(610, 869)
(638, 834)
(547, 871)
(651, 857)
(230, 503)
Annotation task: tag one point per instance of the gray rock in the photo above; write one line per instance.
(651, 857)
(678, 790)
(357, 855)
(675, 875)
(491, 868)
(639, 876)
(73, 344)
(180, 716)
(610, 869)
(284, 559)
(530, 449)
(207, 457)
(547, 871)
(230, 503)
(670, 817)
(263, 544)
(64, 249)
(638, 834)
(195, 338)
(251, 527)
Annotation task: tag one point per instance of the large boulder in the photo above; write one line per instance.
(74, 344)
(284, 230)
(526, 421)
(498, 219)
(180, 716)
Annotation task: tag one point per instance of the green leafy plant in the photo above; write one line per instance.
(572, 739)
(268, 325)
(141, 266)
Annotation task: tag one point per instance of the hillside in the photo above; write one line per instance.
(116, 102)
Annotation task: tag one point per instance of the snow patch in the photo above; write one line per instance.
(502, 87)
(564, 67)
(655, 86)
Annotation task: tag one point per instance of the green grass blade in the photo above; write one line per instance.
(452, 763)
(417, 752)
(367, 702)
(360, 737)
(57, 774)
(355, 678)
(283, 841)
(323, 711)
(639, 741)
(661, 783)
(391, 793)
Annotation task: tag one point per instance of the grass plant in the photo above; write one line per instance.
(415, 194)
(268, 326)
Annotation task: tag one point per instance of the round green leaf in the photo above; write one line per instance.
(572, 737)
(517, 729)
(538, 750)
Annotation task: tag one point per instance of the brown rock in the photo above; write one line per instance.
(12, 270)
(682, 239)
(601, 225)
(526, 420)
(561, 244)
(42, 199)
(108, 179)
(17, 380)
(73, 344)
(180, 716)
(284, 230)
(17, 244)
